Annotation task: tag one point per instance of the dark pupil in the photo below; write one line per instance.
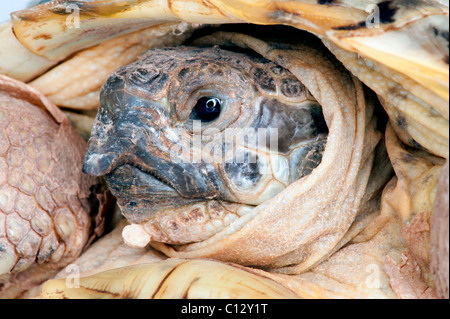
(206, 109)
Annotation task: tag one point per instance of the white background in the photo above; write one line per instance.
(8, 6)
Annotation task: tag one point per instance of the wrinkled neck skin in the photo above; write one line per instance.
(179, 179)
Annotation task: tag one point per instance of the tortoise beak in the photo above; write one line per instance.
(108, 142)
(99, 164)
(105, 151)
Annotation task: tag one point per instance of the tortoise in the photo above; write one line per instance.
(344, 226)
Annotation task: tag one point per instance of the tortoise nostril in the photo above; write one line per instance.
(99, 164)
(115, 81)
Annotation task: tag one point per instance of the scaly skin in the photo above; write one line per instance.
(45, 210)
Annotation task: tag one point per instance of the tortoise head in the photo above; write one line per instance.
(189, 139)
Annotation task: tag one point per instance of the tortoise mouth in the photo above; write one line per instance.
(142, 193)
(139, 181)
(159, 213)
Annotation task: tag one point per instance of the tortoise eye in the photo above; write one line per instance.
(206, 109)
